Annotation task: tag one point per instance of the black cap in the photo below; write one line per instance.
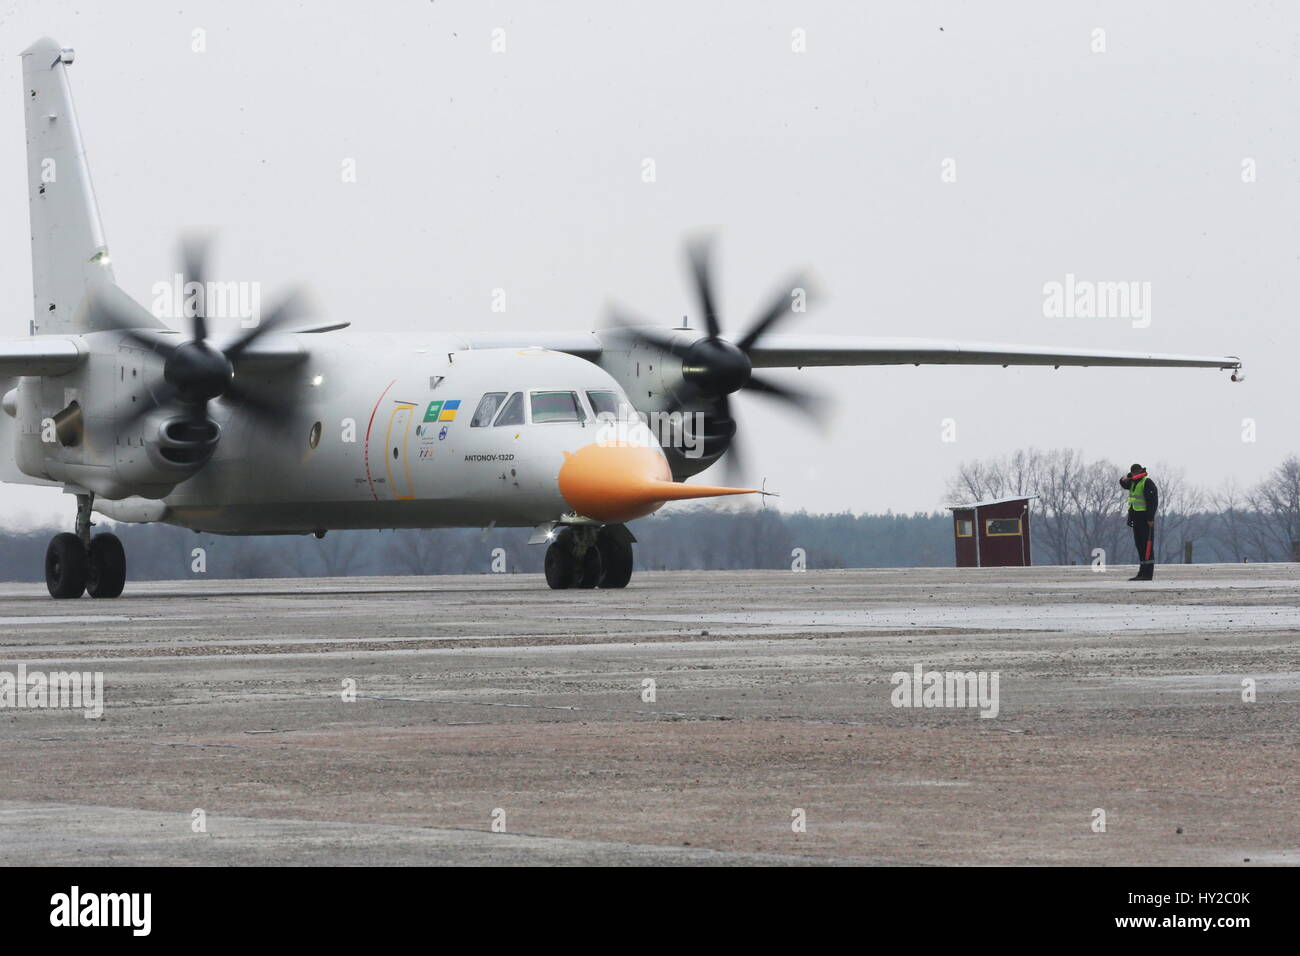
(1135, 469)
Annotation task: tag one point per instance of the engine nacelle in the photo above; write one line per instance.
(58, 439)
(152, 467)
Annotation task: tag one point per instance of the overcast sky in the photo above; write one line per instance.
(522, 170)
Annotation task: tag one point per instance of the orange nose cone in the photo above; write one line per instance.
(617, 483)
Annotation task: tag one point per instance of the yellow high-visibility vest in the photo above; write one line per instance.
(1137, 499)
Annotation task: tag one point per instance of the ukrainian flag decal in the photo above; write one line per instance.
(449, 410)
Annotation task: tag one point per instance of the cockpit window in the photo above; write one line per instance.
(557, 407)
(513, 413)
(604, 403)
(487, 407)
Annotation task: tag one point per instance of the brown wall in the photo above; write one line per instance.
(994, 551)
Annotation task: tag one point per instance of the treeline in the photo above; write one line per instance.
(1080, 507)
(685, 539)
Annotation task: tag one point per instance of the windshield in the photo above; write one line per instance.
(604, 403)
(486, 409)
(557, 407)
(513, 413)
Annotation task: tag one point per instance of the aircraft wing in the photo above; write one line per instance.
(39, 355)
(798, 351)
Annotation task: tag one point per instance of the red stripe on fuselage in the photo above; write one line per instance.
(370, 424)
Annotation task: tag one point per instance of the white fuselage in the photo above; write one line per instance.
(383, 458)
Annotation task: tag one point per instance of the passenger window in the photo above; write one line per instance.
(604, 403)
(557, 407)
(513, 413)
(487, 407)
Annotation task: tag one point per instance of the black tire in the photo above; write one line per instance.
(615, 561)
(107, 567)
(590, 569)
(65, 566)
(561, 567)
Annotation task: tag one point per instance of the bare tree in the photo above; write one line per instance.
(417, 550)
(340, 554)
(1056, 520)
(1276, 499)
(1233, 522)
(1098, 505)
(1014, 474)
(1182, 513)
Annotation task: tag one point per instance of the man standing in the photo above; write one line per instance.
(1143, 499)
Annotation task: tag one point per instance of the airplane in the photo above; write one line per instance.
(289, 426)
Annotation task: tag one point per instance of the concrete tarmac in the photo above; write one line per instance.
(716, 718)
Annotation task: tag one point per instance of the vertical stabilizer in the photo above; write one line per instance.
(69, 254)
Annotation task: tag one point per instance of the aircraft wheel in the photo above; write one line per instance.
(561, 566)
(66, 566)
(591, 567)
(615, 561)
(107, 567)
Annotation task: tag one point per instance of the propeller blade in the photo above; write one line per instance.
(196, 411)
(733, 459)
(157, 395)
(277, 417)
(698, 252)
(255, 403)
(111, 308)
(656, 339)
(806, 402)
(289, 308)
(779, 310)
(689, 398)
(643, 333)
(151, 342)
(194, 255)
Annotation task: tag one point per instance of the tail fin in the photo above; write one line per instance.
(69, 253)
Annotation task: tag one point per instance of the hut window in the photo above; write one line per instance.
(1002, 527)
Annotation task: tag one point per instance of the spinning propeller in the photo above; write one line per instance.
(713, 368)
(196, 372)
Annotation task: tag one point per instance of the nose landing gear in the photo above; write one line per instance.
(77, 563)
(586, 557)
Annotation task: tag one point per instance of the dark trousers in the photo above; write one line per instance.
(1144, 537)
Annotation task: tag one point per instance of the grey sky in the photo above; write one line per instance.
(522, 170)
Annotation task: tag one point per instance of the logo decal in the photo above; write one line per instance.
(449, 410)
(431, 413)
(442, 435)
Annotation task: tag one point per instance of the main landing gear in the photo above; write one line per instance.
(77, 562)
(587, 557)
